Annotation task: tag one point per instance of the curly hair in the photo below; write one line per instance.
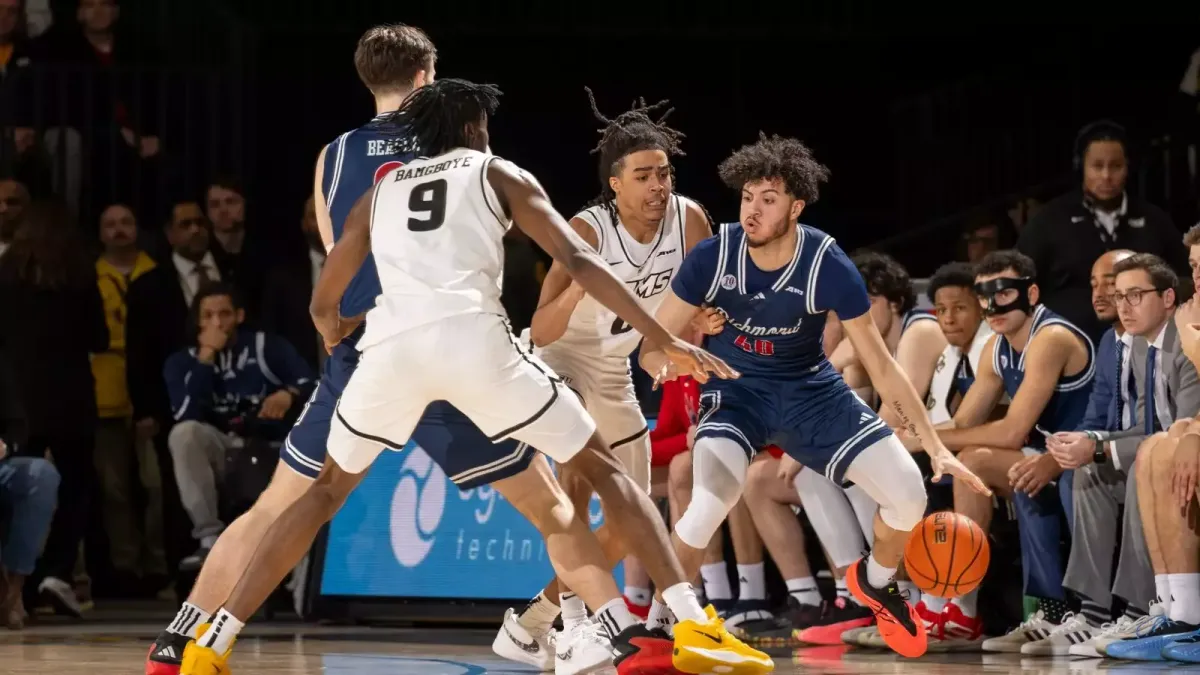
(951, 275)
(631, 131)
(437, 114)
(885, 277)
(786, 159)
(997, 262)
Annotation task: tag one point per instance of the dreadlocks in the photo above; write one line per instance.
(786, 159)
(631, 131)
(436, 116)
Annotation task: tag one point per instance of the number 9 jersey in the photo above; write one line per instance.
(437, 231)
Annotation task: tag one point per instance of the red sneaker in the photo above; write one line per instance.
(166, 654)
(959, 626)
(934, 622)
(899, 625)
(640, 650)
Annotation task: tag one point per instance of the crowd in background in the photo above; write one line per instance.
(156, 340)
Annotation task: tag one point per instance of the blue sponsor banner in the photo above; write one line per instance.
(408, 532)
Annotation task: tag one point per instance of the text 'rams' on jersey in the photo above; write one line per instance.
(354, 163)
(774, 321)
(647, 270)
(437, 233)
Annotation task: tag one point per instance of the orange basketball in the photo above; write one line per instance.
(947, 555)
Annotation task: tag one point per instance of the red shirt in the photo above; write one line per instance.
(669, 437)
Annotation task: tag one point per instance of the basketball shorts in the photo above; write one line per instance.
(818, 421)
(605, 385)
(456, 445)
(472, 362)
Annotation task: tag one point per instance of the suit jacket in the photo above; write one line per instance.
(1102, 403)
(287, 291)
(1182, 391)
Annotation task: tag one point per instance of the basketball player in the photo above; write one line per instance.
(435, 229)
(1045, 365)
(841, 518)
(642, 230)
(774, 279)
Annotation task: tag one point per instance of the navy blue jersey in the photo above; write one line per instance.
(1069, 402)
(775, 321)
(964, 377)
(354, 162)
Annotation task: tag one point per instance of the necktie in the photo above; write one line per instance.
(1152, 425)
(203, 273)
(1119, 422)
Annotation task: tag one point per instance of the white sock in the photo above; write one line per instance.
(660, 616)
(574, 612)
(843, 591)
(752, 582)
(1185, 597)
(878, 575)
(1162, 588)
(219, 636)
(539, 614)
(909, 591)
(681, 599)
(934, 603)
(638, 596)
(187, 620)
(716, 581)
(968, 603)
(615, 616)
(804, 590)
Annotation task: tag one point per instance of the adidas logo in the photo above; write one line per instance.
(168, 652)
(864, 418)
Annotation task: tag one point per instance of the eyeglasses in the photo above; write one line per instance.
(1134, 295)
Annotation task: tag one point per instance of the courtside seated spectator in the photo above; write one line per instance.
(232, 385)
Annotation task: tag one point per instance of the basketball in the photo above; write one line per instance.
(947, 555)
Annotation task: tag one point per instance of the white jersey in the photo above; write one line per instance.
(950, 373)
(437, 233)
(593, 329)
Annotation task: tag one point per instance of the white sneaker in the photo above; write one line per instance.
(855, 636)
(1032, 629)
(586, 649)
(517, 643)
(1074, 630)
(1104, 636)
(1131, 630)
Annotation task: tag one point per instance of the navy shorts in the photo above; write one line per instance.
(454, 443)
(818, 421)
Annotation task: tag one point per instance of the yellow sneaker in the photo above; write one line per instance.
(199, 660)
(709, 648)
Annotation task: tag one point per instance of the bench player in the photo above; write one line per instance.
(643, 230)
(774, 279)
(435, 228)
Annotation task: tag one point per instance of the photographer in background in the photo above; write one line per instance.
(233, 386)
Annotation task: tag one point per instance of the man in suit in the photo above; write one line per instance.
(157, 326)
(288, 289)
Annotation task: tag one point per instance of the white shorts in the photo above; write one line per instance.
(472, 362)
(605, 385)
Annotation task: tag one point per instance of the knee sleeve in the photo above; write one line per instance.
(718, 474)
(890, 476)
(831, 516)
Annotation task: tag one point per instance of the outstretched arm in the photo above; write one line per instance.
(559, 294)
(340, 267)
(674, 314)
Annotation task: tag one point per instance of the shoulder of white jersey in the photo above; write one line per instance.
(598, 217)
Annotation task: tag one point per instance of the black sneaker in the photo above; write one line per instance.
(781, 631)
(837, 616)
(746, 616)
(166, 654)
(639, 650)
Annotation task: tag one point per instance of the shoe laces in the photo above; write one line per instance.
(1071, 622)
(592, 632)
(1032, 622)
(1119, 626)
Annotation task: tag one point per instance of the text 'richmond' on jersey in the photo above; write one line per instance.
(775, 321)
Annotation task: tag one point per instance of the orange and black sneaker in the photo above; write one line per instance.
(166, 654)
(899, 625)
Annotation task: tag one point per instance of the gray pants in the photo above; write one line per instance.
(1100, 489)
(135, 539)
(199, 453)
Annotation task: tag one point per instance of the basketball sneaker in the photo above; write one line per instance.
(517, 643)
(585, 649)
(898, 622)
(166, 654)
(1032, 629)
(709, 648)
(782, 631)
(640, 650)
(956, 632)
(1074, 630)
(748, 616)
(858, 637)
(1150, 647)
(837, 617)
(1088, 648)
(1128, 630)
(199, 660)
(1186, 650)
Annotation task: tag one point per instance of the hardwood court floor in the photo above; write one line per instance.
(304, 650)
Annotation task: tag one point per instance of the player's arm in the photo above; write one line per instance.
(1046, 358)
(918, 353)
(674, 314)
(842, 358)
(340, 267)
(696, 226)
(983, 396)
(559, 294)
(324, 222)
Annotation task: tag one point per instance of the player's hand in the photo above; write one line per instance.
(334, 333)
(275, 406)
(1187, 321)
(692, 360)
(1032, 474)
(1185, 473)
(944, 462)
(788, 469)
(709, 321)
(1071, 449)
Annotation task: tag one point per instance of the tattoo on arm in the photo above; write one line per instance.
(904, 419)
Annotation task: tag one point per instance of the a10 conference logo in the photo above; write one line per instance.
(417, 507)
